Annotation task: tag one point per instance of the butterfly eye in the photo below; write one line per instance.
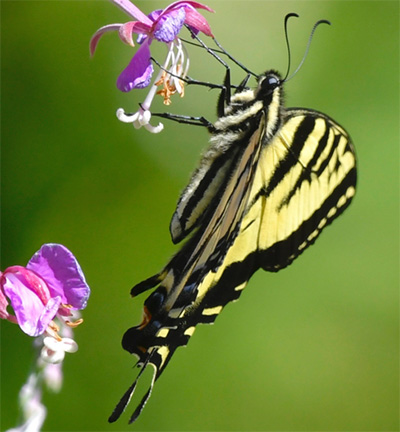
(273, 82)
(268, 84)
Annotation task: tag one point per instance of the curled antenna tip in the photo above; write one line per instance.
(292, 14)
(324, 21)
(289, 15)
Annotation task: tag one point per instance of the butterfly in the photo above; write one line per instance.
(271, 180)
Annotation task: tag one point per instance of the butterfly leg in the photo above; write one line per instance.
(243, 85)
(227, 81)
(196, 121)
(225, 95)
(188, 80)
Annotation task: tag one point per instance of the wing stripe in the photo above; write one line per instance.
(325, 162)
(305, 175)
(328, 144)
(292, 246)
(206, 193)
(284, 166)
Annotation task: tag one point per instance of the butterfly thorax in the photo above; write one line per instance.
(242, 115)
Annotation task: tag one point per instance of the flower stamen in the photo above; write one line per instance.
(74, 324)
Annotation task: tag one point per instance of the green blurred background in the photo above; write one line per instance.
(314, 347)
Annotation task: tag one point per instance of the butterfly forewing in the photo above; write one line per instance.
(203, 191)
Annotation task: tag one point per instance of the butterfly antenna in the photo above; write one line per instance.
(287, 41)
(207, 48)
(241, 65)
(218, 51)
(308, 47)
(214, 52)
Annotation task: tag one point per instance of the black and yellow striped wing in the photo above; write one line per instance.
(304, 178)
(271, 180)
(312, 181)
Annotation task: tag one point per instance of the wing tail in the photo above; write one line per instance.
(124, 401)
(145, 398)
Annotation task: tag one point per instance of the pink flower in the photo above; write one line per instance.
(51, 284)
(163, 26)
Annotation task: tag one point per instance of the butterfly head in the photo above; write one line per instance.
(270, 93)
(268, 83)
(269, 87)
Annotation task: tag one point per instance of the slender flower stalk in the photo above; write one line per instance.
(45, 296)
(46, 374)
(162, 26)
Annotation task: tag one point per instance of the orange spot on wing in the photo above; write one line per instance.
(146, 318)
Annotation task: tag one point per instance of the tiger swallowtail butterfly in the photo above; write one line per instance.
(271, 180)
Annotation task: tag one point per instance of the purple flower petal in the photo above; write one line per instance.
(99, 33)
(169, 25)
(126, 30)
(141, 38)
(155, 14)
(187, 4)
(193, 18)
(132, 10)
(3, 301)
(32, 281)
(196, 21)
(139, 71)
(32, 315)
(62, 273)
